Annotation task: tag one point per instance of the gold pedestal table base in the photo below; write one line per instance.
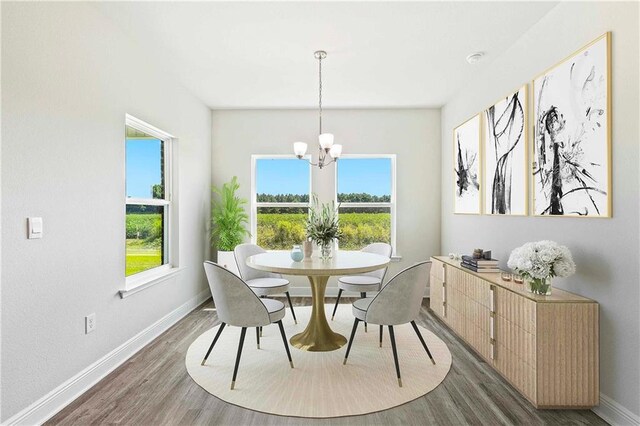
(318, 336)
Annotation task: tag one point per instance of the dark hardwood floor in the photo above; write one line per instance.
(153, 388)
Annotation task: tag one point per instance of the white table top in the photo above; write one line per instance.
(343, 263)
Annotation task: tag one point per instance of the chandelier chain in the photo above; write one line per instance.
(320, 90)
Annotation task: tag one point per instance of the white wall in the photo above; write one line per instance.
(412, 134)
(606, 251)
(68, 78)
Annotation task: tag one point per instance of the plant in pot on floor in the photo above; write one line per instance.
(228, 222)
(323, 226)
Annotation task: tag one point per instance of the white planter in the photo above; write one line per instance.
(227, 260)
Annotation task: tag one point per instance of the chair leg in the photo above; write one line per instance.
(353, 334)
(337, 301)
(426, 348)
(258, 337)
(215, 339)
(362, 296)
(395, 354)
(291, 307)
(262, 297)
(381, 329)
(286, 344)
(235, 369)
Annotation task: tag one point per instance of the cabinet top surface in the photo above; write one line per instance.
(557, 295)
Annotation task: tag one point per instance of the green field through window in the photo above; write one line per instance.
(280, 231)
(144, 240)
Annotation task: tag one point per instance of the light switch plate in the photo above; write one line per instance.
(35, 227)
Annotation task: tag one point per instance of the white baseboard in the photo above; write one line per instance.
(47, 406)
(330, 292)
(306, 291)
(614, 413)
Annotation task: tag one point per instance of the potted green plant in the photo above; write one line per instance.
(323, 226)
(228, 222)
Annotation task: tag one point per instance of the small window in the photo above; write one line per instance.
(280, 201)
(365, 190)
(148, 202)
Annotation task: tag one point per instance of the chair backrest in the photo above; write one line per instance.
(399, 301)
(383, 249)
(235, 302)
(244, 251)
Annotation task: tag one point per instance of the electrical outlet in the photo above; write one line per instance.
(89, 323)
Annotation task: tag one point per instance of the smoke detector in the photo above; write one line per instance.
(475, 57)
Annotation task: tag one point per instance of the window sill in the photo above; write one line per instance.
(395, 258)
(137, 285)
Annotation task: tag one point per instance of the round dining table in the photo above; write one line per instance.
(318, 336)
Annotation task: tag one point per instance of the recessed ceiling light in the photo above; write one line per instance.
(475, 57)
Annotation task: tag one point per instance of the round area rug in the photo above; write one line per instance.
(319, 385)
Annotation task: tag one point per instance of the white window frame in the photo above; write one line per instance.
(144, 279)
(254, 186)
(392, 204)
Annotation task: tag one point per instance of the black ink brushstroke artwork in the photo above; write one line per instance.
(505, 184)
(571, 158)
(467, 167)
(465, 171)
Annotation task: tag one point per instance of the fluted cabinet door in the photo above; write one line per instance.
(436, 290)
(567, 355)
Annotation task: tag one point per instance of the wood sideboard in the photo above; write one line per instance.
(547, 347)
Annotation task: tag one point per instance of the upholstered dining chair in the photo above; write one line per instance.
(237, 305)
(366, 282)
(398, 302)
(261, 282)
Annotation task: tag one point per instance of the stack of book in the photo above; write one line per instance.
(479, 265)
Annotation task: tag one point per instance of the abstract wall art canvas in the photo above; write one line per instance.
(505, 164)
(572, 135)
(466, 148)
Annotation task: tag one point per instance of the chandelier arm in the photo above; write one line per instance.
(334, 160)
(309, 161)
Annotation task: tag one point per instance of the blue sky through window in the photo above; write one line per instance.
(364, 175)
(355, 175)
(143, 162)
(282, 176)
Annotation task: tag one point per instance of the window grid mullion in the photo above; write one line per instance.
(259, 204)
(364, 205)
(147, 202)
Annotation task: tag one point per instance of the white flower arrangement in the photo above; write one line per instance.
(541, 260)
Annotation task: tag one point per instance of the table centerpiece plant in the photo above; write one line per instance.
(228, 222)
(538, 262)
(323, 226)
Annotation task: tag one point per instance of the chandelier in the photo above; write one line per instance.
(328, 151)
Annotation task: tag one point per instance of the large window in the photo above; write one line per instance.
(148, 202)
(365, 189)
(280, 200)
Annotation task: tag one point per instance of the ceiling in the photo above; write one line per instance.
(380, 55)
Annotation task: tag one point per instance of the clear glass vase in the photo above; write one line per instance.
(540, 286)
(326, 250)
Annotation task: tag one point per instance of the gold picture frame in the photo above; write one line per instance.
(554, 179)
(522, 210)
(467, 161)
